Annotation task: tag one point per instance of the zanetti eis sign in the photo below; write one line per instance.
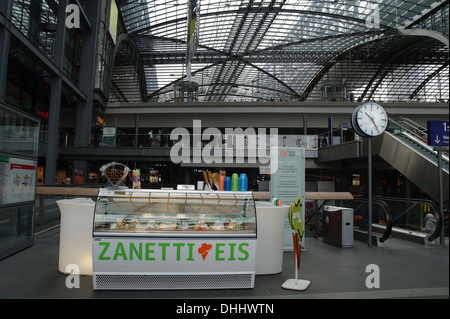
(172, 255)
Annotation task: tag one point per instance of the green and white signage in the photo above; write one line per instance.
(170, 255)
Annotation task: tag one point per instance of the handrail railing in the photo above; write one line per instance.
(406, 125)
(413, 131)
(416, 202)
(387, 211)
(233, 139)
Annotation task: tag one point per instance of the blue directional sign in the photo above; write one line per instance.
(438, 133)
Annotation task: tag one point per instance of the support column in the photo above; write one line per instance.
(88, 61)
(53, 131)
(55, 99)
(136, 131)
(5, 36)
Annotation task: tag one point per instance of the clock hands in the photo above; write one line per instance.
(373, 121)
(369, 119)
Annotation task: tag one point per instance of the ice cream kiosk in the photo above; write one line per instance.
(173, 239)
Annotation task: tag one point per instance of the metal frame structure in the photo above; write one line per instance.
(262, 50)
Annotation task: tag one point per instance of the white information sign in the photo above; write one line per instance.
(17, 180)
(287, 181)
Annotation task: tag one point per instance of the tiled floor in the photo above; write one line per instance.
(407, 270)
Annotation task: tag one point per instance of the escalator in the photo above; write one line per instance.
(401, 218)
(404, 147)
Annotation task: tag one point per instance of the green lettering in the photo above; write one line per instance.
(218, 252)
(102, 254)
(243, 251)
(163, 250)
(120, 251)
(149, 251)
(135, 251)
(191, 249)
(178, 245)
(232, 245)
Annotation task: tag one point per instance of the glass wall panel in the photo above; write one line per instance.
(16, 228)
(18, 133)
(37, 21)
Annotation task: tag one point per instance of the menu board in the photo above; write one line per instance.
(17, 180)
(287, 181)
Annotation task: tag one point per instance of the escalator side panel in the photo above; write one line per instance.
(415, 166)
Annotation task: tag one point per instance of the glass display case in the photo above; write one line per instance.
(134, 212)
(173, 239)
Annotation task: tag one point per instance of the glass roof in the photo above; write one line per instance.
(251, 50)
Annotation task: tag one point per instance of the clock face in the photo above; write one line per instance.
(371, 119)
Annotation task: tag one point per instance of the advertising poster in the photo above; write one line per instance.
(17, 180)
(78, 177)
(287, 181)
(136, 178)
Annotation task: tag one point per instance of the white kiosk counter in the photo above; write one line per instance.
(270, 223)
(176, 215)
(75, 243)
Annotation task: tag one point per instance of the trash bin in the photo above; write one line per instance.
(337, 226)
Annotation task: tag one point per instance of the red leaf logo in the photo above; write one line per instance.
(204, 250)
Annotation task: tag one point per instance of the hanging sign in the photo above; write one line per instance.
(438, 133)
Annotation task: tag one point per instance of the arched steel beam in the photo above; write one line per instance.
(428, 79)
(259, 10)
(327, 66)
(381, 75)
(229, 58)
(425, 33)
(143, 85)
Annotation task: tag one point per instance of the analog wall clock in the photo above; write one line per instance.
(369, 119)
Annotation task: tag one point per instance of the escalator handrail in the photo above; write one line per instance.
(424, 145)
(413, 124)
(415, 136)
(432, 203)
(419, 131)
(387, 211)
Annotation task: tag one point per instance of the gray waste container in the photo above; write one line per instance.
(338, 226)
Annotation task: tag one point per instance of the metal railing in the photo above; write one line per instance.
(390, 212)
(403, 213)
(414, 132)
(384, 207)
(410, 213)
(164, 140)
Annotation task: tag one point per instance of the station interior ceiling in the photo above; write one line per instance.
(289, 50)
